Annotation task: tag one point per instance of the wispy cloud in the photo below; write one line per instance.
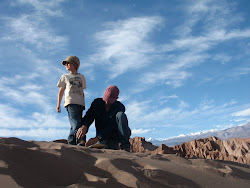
(35, 32)
(30, 90)
(29, 93)
(147, 114)
(18, 119)
(240, 72)
(189, 49)
(165, 99)
(207, 41)
(45, 7)
(222, 127)
(34, 28)
(245, 112)
(140, 131)
(39, 134)
(210, 14)
(138, 53)
(136, 110)
(125, 44)
(28, 110)
(175, 70)
(222, 58)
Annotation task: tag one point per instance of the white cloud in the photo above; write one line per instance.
(241, 119)
(198, 7)
(36, 119)
(149, 114)
(169, 97)
(37, 32)
(165, 99)
(37, 134)
(121, 44)
(216, 18)
(212, 14)
(140, 131)
(125, 45)
(175, 70)
(230, 103)
(240, 72)
(195, 49)
(45, 7)
(222, 58)
(205, 42)
(207, 104)
(145, 114)
(222, 127)
(32, 87)
(33, 28)
(136, 110)
(183, 105)
(23, 95)
(245, 112)
(123, 97)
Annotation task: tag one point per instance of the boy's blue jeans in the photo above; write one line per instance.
(75, 120)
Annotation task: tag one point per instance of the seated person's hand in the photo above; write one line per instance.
(81, 132)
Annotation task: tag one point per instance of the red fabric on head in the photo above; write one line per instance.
(111, 94)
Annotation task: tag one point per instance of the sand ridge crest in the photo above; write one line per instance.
(38, 164)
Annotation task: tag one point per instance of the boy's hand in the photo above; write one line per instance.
(81, 132)
(58, 109)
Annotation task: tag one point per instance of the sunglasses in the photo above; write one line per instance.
(66, 63)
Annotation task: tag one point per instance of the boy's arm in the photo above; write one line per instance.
(59, 99)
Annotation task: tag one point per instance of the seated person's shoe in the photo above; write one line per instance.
(126, 149)
(81, 142)
(99, 145)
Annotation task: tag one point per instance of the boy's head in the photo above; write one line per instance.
(111, 94)
(74, 60)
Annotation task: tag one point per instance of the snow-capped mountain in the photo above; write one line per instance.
(241, 131)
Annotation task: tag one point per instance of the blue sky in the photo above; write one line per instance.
(182, 66)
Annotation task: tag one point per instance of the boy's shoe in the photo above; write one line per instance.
(99, 145)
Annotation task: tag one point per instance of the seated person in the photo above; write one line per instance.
(110, 121)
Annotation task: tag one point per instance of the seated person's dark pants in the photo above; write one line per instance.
(122, 135)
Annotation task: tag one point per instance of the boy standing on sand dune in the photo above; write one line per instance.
(73, 84)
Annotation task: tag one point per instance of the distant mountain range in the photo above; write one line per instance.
(242, 131)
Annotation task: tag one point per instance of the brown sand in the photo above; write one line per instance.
(49, 164)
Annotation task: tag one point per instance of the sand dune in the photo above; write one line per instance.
(50, 164)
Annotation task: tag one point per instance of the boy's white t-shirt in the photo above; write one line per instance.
(73, 84)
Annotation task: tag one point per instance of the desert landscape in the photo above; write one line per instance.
(179, 72)
(56, 164)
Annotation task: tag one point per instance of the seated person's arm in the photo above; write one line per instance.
(87, 120)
